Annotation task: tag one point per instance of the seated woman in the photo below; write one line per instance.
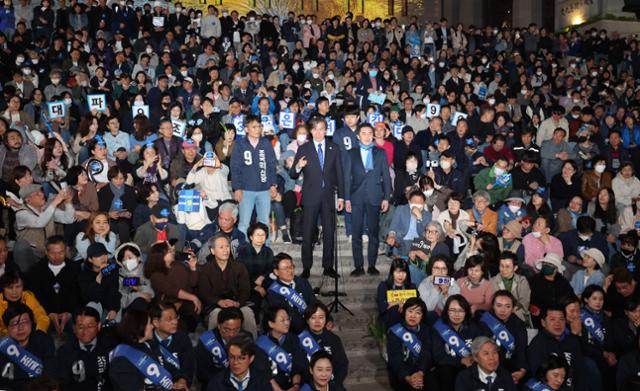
(481, 217)
(552, 374)
(13, 292)
(52, 168)
(514, 283)
(85, 196)
(212, 181)
(164, 318)
(509, 332)
(257, 257)
(98, 230)
(513, 209)
(567, 219)
(174, 282)
(149, 168)
(625, 330)
(409, 350)
(474, 286)
(612, 218)
(451, 338)
(135, 288)
(590, 274)
(317, 338)
(98, 283)
(23, 337)
(139, 345)
(454, 222)
(424, 248)
(148, 196)
(439, 285)
(288, 361)
(119, 199)
(399, 279)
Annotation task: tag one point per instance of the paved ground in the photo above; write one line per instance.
(367, 371)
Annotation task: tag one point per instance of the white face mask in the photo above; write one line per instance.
(184, 73)
(584, 237)
(130, 264)
(197, 137)
(514, 208)
(498, 171)
(252, 19)
(330, 76)
(178, 9)
(149, 50)
(315, 75)
(412, 166)
(55, 81)
(19, 60)
(309, 21)
(445, 164)
(35, 60)
(536, 234)
(539, 73)
(600, 168)
(491, 101)
(295, 67)
(26, 71)
(307, 85)
(420, 207)
(428, 193)
(301, 138)
(68, 101)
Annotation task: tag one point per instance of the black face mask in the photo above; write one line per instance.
(627, 253)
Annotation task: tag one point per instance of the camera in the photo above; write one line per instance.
(188, 250)
(439, 280)
(131, 281)
(472, 230)
(209, 159)
(109, 268)
(432, 163)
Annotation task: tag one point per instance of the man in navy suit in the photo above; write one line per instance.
(319, 161)
(367, 190)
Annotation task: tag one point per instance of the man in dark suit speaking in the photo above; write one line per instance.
(319, 161)
(367, 190)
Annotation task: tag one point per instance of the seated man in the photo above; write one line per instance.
(240, 375)
(223, 283)
(83, 362)
(486, 372)
(227, 219)
(157, 229)
(408, 222)
(574, 242)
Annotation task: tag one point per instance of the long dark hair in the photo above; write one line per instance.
(401, 265)
(609, 216)
(48, 155)
(462, 302)
(155, 259)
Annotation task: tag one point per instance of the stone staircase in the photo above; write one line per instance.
(367, 370)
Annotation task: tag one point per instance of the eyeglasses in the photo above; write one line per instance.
(171, 320)
(456, 311)
(283, 320)
(24, 323)
(439, 269)
(432, 231)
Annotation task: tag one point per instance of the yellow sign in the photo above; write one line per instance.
(400, 296)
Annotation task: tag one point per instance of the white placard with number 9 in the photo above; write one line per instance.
(433, 110)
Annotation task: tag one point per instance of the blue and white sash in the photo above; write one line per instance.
(290, 295)
(309, 344)
(148, 367)
(169, 357)
(27, 361)
(593, 326)
(208, 339)
(278, 355)
(537, 385)
(409, 339)
(503, 337)
(452, 339)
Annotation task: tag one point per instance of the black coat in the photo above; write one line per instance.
(181, 348)
(628, 367)
(319, 183)
(105, 199)
(303, 287)
(299, 365)
(625, 338)
(222, 382)
(441, 352)
(126, 377)
(13, 377)
(469, 379)
(567, 347)
(402, 362)
(332, 344)
(57, 294)
(79, 370)
(518, 359)
(106, 293)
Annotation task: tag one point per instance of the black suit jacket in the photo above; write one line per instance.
(312, 190)
(371, 187)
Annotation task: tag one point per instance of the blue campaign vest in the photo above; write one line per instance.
(409, 339)
(290, 295)
(309, 344)
(215, 348)
(536, 385)
(27, 361)
(278, 355)
(503, 337)
(451, 339)
(148, 367)
(593, 326)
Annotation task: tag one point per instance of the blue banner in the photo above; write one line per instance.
(503, 337)
(309, 344)
(409, 339)
(208, 339)
(29, 363)
(536, 385)
(593, 326)
(189, 201)
(290, 295)
(452, 339)
(278, 355)
(148, 367)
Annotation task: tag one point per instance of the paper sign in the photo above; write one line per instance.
(158, 21)
(433, 110)
(287, 120)
(503, 180)
(400, 296)
(482, 92)
(374, 118)
(140, 109)
(397, 130)
(377, 98)
(457, 116)
(266, 120)
(238, 122)
(56, 109)
(189, 201)
(331, 126)
(97, 102)
(179, 127)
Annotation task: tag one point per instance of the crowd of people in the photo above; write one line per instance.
(151, 156)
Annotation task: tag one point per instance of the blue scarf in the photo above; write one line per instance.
(368, 164)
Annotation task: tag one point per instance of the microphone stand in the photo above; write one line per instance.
(336, 304)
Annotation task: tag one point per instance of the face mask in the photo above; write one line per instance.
(301, 138)
(584, 237)
(196, 137)
(68, 101)
(26, 71)
(441, 64)
(539, 73)
(309, 21)
(160, 226)
(130, 264)
(178, 9)
(575, 116)
(373, 73)
(55, 81)
(420, 207)
(491, 102)
(224, 14)
(445, 164)
(295, 67)
(600, 168)
(523, 92)
(428, 193)
(514, 208)
(547, 270)
(572, 65)
(19, 60)
(35, 60)
(412, 166)
(330, 76)
(307, 85)
(252, 19)
(149, 50)
(483, 60)
(184, 73)
(315, 75)
(594, 74)
(536, 234)
(498, 171)
(396, 89)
